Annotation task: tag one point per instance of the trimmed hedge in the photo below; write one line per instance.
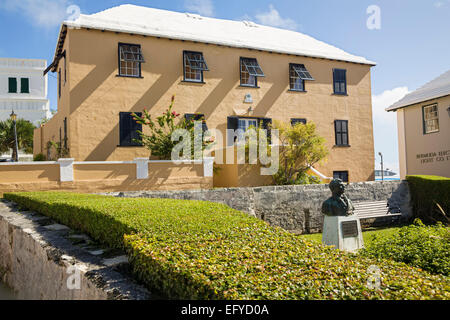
(201, 250)
(426, 193)
(426, 247)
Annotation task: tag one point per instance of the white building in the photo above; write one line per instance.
(23, 88)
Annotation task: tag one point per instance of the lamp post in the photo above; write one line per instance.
(382, 171)
(13, 117)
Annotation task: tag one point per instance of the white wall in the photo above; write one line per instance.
(32, 106)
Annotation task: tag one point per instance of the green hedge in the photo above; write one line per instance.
(426, 247)
(426, 193)
(201, 250)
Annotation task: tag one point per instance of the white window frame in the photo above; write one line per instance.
(430, 119)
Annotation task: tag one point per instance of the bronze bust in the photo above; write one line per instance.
(338, 204)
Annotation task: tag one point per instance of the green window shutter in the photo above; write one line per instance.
(25, 85)
(12, 85)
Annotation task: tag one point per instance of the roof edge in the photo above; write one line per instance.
(392, 108)
(74, 24)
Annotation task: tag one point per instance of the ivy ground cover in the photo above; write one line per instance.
(202, 250)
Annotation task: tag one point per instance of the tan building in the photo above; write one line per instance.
(423, 121)
(235, 73)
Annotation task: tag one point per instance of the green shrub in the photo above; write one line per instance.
(39, 157)
(430, 197)
(201, 250)
(426, 247)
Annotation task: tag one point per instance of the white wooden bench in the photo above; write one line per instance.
(376, 209)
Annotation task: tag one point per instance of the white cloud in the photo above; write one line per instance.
(44, 13)
(272, 18)
(202, 7)
(385, 126)
(382, 101)
(439, 4)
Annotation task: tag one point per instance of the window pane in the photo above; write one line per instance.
(130, 60)
(252, 67)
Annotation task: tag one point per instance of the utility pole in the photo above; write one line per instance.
(382, 169)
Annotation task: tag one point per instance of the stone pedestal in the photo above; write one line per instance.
(343, 233)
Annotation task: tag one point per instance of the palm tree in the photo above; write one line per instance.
(25, 131)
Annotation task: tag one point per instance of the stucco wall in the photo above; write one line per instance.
(293, 208)
(421, 153)
(102, 177)
(97, 95)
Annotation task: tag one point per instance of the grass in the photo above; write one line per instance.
(367, 235)
(202, 250)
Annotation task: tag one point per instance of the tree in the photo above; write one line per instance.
(25, 132)
(159, 141)
(300, 149)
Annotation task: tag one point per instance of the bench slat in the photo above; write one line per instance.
(374, 209)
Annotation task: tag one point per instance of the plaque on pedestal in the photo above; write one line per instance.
(343, 233)
(341, 228)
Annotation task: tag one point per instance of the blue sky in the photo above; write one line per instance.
(411, 47)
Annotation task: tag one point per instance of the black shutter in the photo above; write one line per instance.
(124, 127)
(59, 83)
(134, 131)
(12, 85)
(24, 85)
(266, 124)
(232, 123)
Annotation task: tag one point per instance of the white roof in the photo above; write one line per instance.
(193, 27)
(436, 88)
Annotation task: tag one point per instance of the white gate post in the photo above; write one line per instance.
(208, 166)
(66, 169)
(141, 168)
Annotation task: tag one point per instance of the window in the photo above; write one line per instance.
(194, 64)
(65, 67)
(343, 175)
(296, 120)
(24, 85)
(197, 117)
(430, 119)
(340, 81)
(242, 124)
(130, 59)
(250, 71)
(12, 85)
(65, 133)
(297, 76)
(341, 132)
(59, 83)
(129, 128)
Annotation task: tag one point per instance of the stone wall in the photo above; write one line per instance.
(38, 257)
(293, 208)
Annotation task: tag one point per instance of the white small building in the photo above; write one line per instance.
(23, 88)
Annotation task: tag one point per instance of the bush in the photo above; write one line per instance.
(430, 198)
(201, 250)
(301, 149)
(39, 157)
(426, 247)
